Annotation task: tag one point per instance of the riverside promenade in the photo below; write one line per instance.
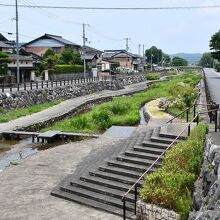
(68, 106)
(25, 189)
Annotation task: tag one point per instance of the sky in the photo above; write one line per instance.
(172, 30)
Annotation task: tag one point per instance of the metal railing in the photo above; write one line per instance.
(187, 110)
(135, 185)
(52, 83)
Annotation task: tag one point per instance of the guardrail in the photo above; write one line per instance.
(187, 110)
(135, 185)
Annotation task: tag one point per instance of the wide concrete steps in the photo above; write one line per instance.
(103, 186)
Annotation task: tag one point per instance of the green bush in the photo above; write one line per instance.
(80, 122)
(119, 108)
(217, 66)
(102, 119)
(171, 186)
(153, 76)
(59, 69)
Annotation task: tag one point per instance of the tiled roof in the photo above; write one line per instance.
(4, 45)
(13, 56)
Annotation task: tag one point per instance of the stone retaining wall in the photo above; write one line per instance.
(21, 99)
(206, 197)
(152, 212)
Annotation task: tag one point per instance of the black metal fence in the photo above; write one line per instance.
(49, 84)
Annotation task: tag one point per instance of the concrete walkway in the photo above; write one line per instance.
(25, 189)
(68, 106)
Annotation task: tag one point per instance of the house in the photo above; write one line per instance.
(5, 44)
(107, 66)
(56, 43)
(27, 61)
(92, 56)
(127, 60)
(27, 66)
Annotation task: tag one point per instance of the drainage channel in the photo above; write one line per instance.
(13, 151)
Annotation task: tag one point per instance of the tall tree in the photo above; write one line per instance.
(166, 58)
(215, 45)
(178, 61)
(155, 54)
(68, 56)
(206, 60)
(4, 60)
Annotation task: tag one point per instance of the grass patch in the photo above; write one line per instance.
(120, 111)
(6, 116)
(172, 185)
(153, 76)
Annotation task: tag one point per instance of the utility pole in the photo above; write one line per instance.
(139, 49)
(17, 42)
(127, 46)
(84, 50)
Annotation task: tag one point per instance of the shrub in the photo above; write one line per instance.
(80, 122)
(217, 66)
(171, 186)
(102, 119)
(59, 69)
(153, 76)
(119, 108)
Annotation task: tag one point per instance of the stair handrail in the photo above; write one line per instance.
(181, 113)
(134, 186)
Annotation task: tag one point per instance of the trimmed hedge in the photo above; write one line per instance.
(172, 185)
(217, 66)
(152, 76)
(59, 69)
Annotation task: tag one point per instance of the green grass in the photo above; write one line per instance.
(153, 76)
(6, 116)
(120, 111)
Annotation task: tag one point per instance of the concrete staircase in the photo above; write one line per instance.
(102, 185)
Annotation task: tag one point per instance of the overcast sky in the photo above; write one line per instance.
(171, 30)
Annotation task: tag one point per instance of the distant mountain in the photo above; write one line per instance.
(192, 58)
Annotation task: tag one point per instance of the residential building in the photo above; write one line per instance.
(5, 44)
(56, 43)
(27, 61)
(127, 60)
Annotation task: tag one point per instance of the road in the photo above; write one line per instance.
(213, 81)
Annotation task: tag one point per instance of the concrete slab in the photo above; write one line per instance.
(120, 131)
(175, 129)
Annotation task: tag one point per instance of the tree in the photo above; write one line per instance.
(215, 45)
(155, 54)
(166, 58)
(48, 53)
(206, 60)
(178, 61)
(4, 60)
(68, 56)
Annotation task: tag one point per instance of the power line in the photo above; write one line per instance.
(113, 8)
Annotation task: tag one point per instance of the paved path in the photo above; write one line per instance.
(67, 106)
(213, 81)
(25, 188)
